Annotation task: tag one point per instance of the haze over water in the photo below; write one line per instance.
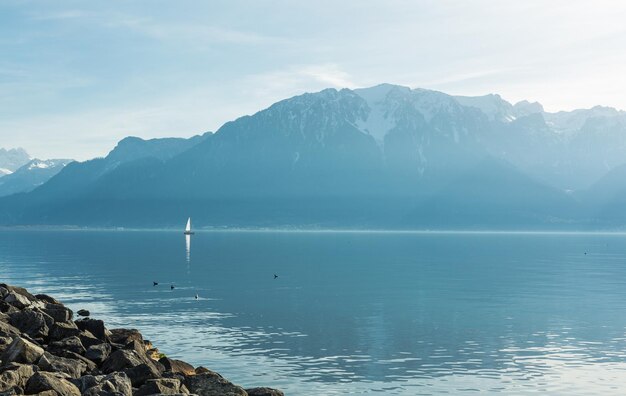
(362, 313)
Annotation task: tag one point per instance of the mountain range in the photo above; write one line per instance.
(21, 173)
(380, 157)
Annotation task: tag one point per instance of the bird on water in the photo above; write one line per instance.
(196, 296)
(154, 283)
(172, 287)
(275, 276)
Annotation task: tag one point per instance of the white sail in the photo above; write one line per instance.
(188, 227)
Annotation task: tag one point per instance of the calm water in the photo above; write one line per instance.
(359, 313)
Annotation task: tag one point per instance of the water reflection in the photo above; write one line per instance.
(355, 313)
(188, 248)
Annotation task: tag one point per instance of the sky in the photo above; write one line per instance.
(78, 76)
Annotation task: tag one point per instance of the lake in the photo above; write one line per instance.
(353, 312)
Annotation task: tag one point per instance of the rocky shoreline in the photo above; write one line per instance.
(44, 351)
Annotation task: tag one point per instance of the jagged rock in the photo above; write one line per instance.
(94, 326)
(122, 359)
(58, 312)
(4, 317)
(86, 381)
(140, 374)
(61, 330)
(124, 336)
(91, 366)
(136, 346)
(202, 370)
(6, 330)
(98, 353)
(177, 366)
(21, 351)
(112, 384)
(82, 312)
(47, 299)
(154, 354)
(7, 308)
(43, 381)
(161, 386)
(19, 290)
(14, 377)
(71, 344)
(263, 391)
(212, 384)
(88, 339)
(4, 343)
(30, 322)
(17, 300)
(3, 292)
(74, 368)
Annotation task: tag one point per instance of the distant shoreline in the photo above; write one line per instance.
(315, 230)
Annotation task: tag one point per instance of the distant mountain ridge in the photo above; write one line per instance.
(385, 156)
(12, 159)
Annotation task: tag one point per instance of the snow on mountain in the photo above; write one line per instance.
(4, 172)
(12, 159)
(568, 122)
(31, 175)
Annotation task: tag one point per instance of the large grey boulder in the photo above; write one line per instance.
(43, 381)
(30, 322)
(263, 391)
(98, 353)
(161, 386)
(58, 312)
(21, 351)
(211, 383)
(177, 366)
(112, 384)
(14, 377)
(72, 367)
(124, 336)
(71, 344)
(95, 327)
(17, 300)
(61, 330)
(6, 330)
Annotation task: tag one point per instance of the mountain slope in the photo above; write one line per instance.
(31, 175)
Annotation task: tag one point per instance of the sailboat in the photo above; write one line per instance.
(188, 228)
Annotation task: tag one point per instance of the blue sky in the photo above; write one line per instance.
(77, 76)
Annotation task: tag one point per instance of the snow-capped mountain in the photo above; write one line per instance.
(31, 175)
(12, 159)
(386, 155)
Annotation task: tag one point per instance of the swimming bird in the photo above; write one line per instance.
(172, 287)
(196, 296)
(155, 283)
(275, 276)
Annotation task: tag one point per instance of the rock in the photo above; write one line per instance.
(71, 344)
(3, 292)
(58, 312)
(88, 339)
(4, 343)
(30, 322)
(136, 346)
(263, 391)
(4, 317)
(82, 312)
(112, 384)
(19, 290)
(6, 330)
(14, 377)
(72, 367)
(86, 381)
(47, 299)
(177, 366)
(161, 386)
(98, 353)
(5, 307)
(21, 351)
(124, 336)
(43, 381)
(154, 354)
(123, 359)
(212, 384)
(202, 370)
(95, 327)
(140, 374)
(17, 300)
(91, 366)
(61, 330)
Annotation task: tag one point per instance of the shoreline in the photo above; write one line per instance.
(45, 350)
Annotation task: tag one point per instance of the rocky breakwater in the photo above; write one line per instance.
(44, 351)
